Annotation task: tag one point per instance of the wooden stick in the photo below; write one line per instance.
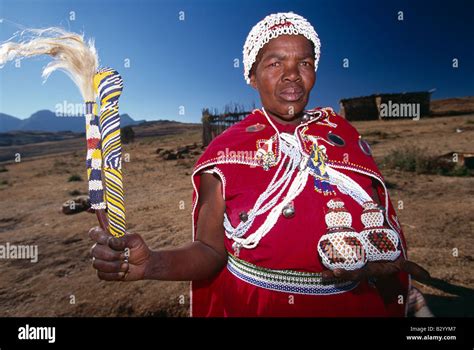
(102, 217)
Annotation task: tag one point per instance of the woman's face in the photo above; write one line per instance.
(284, 75)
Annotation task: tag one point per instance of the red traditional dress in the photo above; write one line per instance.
(279, 276)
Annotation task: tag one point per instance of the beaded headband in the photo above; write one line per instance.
(273, 26)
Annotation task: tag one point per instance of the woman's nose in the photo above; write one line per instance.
(291, 72)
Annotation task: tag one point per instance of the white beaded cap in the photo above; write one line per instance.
(271, 27)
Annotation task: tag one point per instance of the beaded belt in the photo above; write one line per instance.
(287, 280)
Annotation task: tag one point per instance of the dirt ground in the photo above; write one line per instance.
(435, 212)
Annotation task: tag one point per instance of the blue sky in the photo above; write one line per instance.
(190, 63)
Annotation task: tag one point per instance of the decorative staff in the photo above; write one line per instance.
(108, 85)
(79, 61)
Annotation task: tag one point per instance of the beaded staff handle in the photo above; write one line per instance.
(94, 164)
(104, 153)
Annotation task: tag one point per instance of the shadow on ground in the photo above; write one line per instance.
(460, 304)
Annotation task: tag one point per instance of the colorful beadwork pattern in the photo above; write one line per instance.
(381, 242)
(94, 157)
(108, 84)
(288, 281)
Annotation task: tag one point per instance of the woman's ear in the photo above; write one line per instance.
(253, 81)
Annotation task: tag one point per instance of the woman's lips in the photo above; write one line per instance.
(291, 94)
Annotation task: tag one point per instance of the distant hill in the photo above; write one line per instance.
(18, 138)
(46, 120)
(7, 122)
(452, 106)
(42, 143)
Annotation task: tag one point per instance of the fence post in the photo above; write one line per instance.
(213, 125)
(206, 128)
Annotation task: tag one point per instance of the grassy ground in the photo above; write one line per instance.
(435, 212)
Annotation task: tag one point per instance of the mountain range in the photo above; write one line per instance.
(46, 120)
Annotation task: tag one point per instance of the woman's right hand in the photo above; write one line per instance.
(109, 256)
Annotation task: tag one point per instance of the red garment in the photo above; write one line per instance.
(292, 243)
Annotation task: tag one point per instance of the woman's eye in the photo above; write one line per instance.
(305, 63)
(274, 64)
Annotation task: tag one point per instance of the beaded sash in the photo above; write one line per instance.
(287, 281)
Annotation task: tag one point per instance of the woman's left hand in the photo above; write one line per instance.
(380, 269)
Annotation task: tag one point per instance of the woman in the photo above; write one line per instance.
(278, 222)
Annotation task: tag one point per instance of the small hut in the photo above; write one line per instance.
(386, 106)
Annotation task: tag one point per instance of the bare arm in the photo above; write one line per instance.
(204, 257)
(201, 259)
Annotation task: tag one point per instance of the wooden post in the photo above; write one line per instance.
(206, 128)
(213, 125)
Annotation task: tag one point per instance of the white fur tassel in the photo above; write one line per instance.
(69, 51)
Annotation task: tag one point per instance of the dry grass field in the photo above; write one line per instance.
(437, 217)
